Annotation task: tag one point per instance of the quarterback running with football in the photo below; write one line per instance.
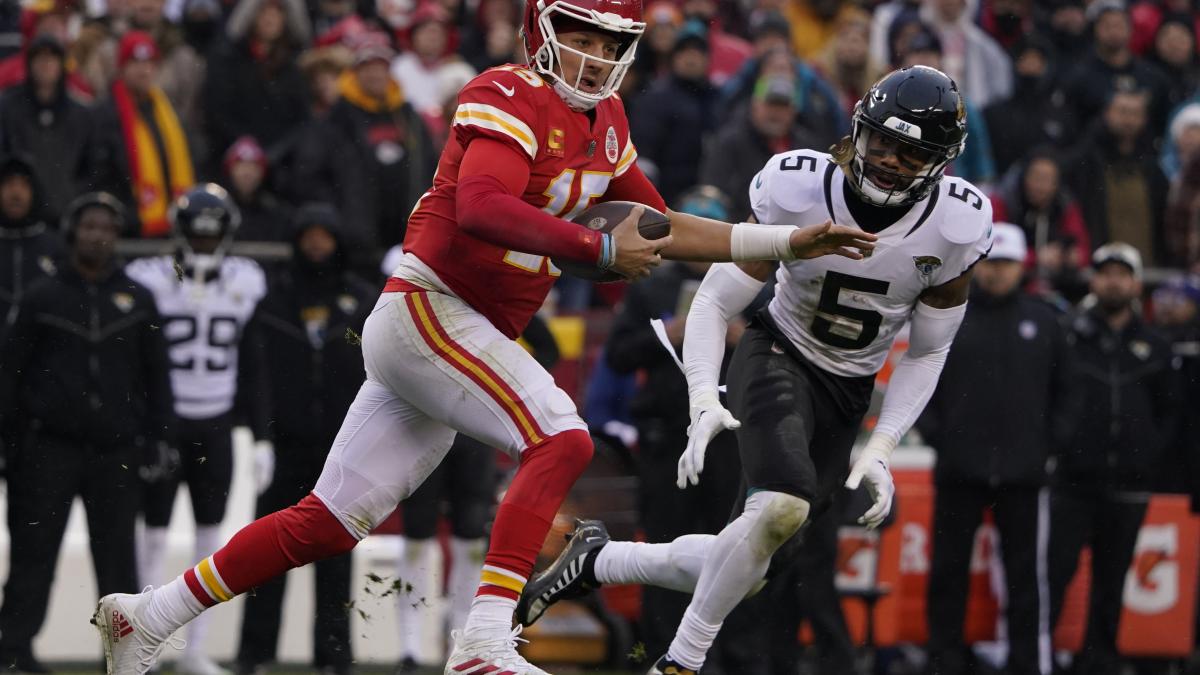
(801, 378)
(531, 148)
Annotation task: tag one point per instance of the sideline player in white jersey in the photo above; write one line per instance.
(801, 378)
(207, 300)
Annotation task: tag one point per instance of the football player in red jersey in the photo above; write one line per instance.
(531, 148)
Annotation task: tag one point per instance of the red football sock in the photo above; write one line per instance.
(543, 479)
(268, 547)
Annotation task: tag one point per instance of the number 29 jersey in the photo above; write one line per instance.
(203, 323)
(842, 314)
(572, 159)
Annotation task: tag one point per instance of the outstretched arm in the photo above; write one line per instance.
(704, 239)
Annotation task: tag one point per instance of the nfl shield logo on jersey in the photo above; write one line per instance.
(927, 264)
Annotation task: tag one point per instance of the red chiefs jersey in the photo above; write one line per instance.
(572, 160)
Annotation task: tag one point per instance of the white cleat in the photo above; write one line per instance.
(494, 656)
(129, 649)
(199, 664)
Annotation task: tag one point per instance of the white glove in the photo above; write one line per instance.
(264, 465)
(709, 418)
(872, 465)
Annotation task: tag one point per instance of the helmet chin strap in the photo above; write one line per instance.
(572, 98)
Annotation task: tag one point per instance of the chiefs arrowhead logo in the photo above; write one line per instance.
(120, 626)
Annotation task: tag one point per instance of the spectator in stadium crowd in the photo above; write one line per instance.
(311, 308)
(1116, 174)
(372, 157)
(1182, 219)
(39, 119)
(86, 389)
(29, 248)
(180, 69)
(1065, 24)
(10, 29)
(244, 169)
(429, 72)
(1111, 67)
(1007, 21)
(996, 418)
(727, 52)
(884, 24)
(490, 38)
(322, 67)
(814, 23)
(201, 21)
(970, 56)
(1037, 113)
(1033, 197)
(1124, 413)
(660, 414)
(975, 163)
(818, 109)
(253, 84)
(663, 23)
(1182, 139)
(1148, 15)
(1174, 54)
(742, 146)
(140, 151)
(53, 18)
(1176, 306)
(671, 119)
(846, 62)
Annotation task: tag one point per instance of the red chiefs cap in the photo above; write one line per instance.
(136, 45)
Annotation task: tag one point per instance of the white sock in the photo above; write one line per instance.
(416, 566)
(737, 560)
(675, 566)
(208, 540)
(151, 551)
(170, 607)
(466, 557)
(490, 617)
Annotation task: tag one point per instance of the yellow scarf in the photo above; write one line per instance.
(150, 191)
(353, 92)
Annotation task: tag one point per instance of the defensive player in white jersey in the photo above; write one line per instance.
(801, 378)
(207, 300)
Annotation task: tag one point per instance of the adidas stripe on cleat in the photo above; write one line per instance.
(129, 649)
(571, 575)
(491, 656)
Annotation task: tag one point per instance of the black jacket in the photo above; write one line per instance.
(26, 255)
(310, 323)
(1125, 406)
(736, 153)
(998, 411)
(265, 98)
(88, 362)
(668, 125)
(58, 134)
(373, 165)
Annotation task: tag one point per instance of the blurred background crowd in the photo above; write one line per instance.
(324, 119)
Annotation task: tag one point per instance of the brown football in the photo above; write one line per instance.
(605, 216)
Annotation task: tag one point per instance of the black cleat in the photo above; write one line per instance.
(666, 666)
(571, 575)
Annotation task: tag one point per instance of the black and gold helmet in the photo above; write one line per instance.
(916, 112)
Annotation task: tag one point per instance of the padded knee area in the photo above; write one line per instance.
(778, 516)
(308, 532)
(569, 452)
